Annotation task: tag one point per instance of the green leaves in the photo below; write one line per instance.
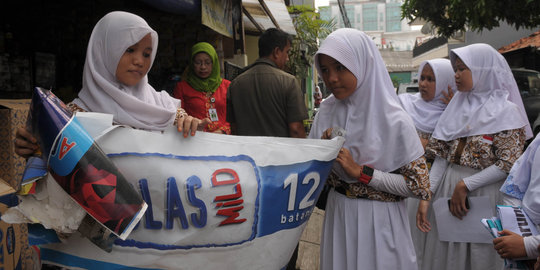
(450, 16)
(309, 30)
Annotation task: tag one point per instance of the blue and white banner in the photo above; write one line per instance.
(214, 201)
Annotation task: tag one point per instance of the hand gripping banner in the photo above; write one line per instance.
(214, 201)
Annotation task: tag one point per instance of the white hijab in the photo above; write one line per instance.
(139, 106)
(378, 131)
(523, 181)
(494, 103)
(426, 114)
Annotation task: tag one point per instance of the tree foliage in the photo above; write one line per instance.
(309, 30)
(450, 16)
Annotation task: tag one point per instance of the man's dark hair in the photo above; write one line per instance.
(272, 38)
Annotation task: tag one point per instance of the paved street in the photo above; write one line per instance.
(308, 253)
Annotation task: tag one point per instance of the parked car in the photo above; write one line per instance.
(536, 126)
(528, 82)
(410, 88)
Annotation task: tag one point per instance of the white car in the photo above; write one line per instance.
(410, 88)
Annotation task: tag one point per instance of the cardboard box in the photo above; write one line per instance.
(14, 250)
(13, 114)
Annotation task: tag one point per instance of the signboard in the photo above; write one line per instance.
(217, 14)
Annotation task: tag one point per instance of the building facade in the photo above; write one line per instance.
(381, 19)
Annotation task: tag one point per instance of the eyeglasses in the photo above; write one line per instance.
(201, 63)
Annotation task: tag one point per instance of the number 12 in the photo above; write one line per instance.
(292, 180)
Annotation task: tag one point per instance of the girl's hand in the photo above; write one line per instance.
(25, 143)
(510, 245)
(447, 96)
(422, 222)
(424, 142)
(457, 202)
(346, 161)
(189, 124)
(327, 134)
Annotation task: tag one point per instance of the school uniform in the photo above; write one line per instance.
(478, 138)
(521, 188)
(425, 115)
(366, 224)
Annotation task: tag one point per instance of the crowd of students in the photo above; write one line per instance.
(419, 146)
(471, 142)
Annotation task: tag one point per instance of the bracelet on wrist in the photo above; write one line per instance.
(366, 174)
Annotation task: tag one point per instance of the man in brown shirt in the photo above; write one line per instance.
(265, 100)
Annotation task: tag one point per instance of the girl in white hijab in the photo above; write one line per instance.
(478, 138)
(366, 224)
(115, 81)
(522, 188)
(435, 77)
(138, 105)
(425, 107)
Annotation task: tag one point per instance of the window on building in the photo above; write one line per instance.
(326, 13)
(393, 17)
(369, 15)
(350, 13)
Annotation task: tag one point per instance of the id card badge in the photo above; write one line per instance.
(212, 112)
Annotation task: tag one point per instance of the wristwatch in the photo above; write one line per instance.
(366, 175)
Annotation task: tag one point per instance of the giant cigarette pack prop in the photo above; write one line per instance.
(81, 168)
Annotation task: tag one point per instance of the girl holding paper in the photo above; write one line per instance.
(478, 138)
(522, 188)
(366, 225)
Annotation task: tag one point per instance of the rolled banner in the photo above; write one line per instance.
(81, 168)
(214, 201)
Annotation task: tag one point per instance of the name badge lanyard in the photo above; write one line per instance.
(212, 112)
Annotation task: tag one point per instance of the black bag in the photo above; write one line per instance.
(321, 202)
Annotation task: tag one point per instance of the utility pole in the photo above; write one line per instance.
(343, 11)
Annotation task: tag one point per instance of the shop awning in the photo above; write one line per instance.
(260, 15)
(184, 7)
